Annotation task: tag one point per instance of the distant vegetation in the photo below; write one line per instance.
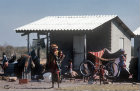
(10, 50)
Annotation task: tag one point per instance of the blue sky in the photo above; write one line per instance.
(15, 13)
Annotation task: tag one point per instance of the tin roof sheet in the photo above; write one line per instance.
(57, 23)
(137, 31)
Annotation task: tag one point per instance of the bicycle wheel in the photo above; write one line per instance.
(86, 68)
(111, 70)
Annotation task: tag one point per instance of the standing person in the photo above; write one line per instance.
(52, 64)
(123, 60)
(61, 56)
(124, 74)
(4, 62)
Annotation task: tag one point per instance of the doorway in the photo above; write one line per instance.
(78, 50)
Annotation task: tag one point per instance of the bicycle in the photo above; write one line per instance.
(88, 69)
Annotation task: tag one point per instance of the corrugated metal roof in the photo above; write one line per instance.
(66, 23)
(137, 31)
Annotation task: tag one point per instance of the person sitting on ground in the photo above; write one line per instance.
(70, 68)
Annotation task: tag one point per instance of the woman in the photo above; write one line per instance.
(53, 64)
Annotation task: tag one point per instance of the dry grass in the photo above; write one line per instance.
(109, 87)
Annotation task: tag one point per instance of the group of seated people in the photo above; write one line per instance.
(5, 61)
(53, 64)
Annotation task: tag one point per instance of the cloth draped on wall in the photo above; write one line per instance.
(97, 61)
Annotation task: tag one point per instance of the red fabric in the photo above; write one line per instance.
(97, 54)
(52, 65)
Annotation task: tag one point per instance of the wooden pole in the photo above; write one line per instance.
(85, 47)
(38, 48)
(28, 43)
(49, 42)
(27, 75)
(47, 45)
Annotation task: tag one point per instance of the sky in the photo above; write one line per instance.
(16, 13)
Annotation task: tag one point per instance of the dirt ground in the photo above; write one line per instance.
(67, 85)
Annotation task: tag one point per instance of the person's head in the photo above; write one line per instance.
(54, 47)
(14, 57)
(60, 53)
(122, 51)
(3, 54)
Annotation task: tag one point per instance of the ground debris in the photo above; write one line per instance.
(10, 79)
(7, 87)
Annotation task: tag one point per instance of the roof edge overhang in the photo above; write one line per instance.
(39, 30)
(25, 32)
(132, 35)
(137, 31)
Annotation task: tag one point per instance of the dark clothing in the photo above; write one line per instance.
(13, 58)
(51, 63)
(133, 68)
(38, 70)
(124, 74)
(4, 60)
(122, 60)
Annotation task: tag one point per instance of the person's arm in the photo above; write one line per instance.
(62, 58)
(71, 67)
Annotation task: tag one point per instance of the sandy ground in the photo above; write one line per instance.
(37, 85)
(66, 85)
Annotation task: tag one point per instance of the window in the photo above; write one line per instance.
(121, 43)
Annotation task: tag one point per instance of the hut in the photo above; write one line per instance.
(76, 35)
